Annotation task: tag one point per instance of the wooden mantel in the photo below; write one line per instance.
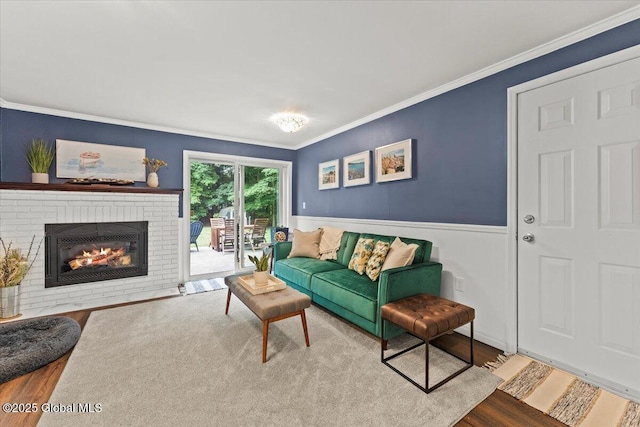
(87, 188)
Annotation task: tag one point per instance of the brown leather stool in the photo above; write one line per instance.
(427, 317)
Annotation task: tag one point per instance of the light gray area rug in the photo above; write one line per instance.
(181, 361)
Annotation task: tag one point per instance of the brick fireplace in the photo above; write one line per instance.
(25, 210)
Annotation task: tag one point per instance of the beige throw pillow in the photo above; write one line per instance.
(400, 254)
(306, 244)
(330, 242)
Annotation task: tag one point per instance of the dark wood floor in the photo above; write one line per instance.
(499, 409)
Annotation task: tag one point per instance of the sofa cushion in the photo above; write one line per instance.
(306, 244)
(300, 270)
(347, 245)
(378, 237)
(361, 255)
(400, 254)
(349, 290)
(379, 254)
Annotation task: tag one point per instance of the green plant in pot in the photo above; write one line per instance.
(14, 266)
(40, 156)
(261, 274)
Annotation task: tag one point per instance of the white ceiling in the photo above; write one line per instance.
(223, 68)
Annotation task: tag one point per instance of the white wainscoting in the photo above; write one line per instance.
(476, 254)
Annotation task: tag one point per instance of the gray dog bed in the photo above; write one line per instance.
(27, 345)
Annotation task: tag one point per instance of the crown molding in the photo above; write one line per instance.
(559, 43)
(109, 120)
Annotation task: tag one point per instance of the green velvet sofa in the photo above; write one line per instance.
(351, 296)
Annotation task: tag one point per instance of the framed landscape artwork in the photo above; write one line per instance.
(393, 161)
(357, 169)
(85, 159)
(328, 175)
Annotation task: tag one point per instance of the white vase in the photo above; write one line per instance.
(261, 278)
(152, 180)
(9, 302)
(40, 178)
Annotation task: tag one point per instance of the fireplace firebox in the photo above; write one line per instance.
(91, 252)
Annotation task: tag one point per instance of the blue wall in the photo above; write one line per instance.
(459, 142)
(459, 148)
(19, 128)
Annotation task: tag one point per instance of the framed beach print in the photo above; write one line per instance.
(328, 175)
(393, 161)
(356, 169)
(88, 160)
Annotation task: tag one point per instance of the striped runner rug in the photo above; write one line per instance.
(563, 396)
(207, 285)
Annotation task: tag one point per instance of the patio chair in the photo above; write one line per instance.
(217, 231)
(229, 230)
(256, 237)
(196, 229)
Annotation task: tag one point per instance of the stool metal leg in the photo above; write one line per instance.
(426, 388)
(426, 366)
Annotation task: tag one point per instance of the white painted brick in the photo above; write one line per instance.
(14, 195)
(94, 197)
(43, 304)
(24, 213)
(112, 293)
(49, 196)
(7, 203)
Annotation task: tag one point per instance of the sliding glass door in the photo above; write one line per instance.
(261, 205)
(237, 201)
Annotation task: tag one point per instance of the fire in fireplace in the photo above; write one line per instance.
(89, 252)
(110, 254)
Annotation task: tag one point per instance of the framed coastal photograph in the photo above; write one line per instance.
(393, 161)
(85, 159)
(328, 175)
(356, 169)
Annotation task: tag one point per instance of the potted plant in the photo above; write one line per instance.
(40, 156)
(14, 266)
(153, 165)
(261, 274)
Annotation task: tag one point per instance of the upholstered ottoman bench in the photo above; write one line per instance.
(270, 307)
(427, 317)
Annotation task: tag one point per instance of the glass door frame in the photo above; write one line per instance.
(238, 162)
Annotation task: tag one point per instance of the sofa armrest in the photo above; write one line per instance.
(281, 250)
(402, 282)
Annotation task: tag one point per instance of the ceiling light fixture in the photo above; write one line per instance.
(290, 122)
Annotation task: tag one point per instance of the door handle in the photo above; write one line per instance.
(529, 238)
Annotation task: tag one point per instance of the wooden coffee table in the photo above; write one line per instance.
(270, 307)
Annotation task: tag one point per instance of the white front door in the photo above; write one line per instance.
(579, 224)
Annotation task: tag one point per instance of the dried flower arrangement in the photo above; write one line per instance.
(13, 265)
(154, 164)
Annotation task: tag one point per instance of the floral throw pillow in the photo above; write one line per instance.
(361, 254)
(374, 265)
